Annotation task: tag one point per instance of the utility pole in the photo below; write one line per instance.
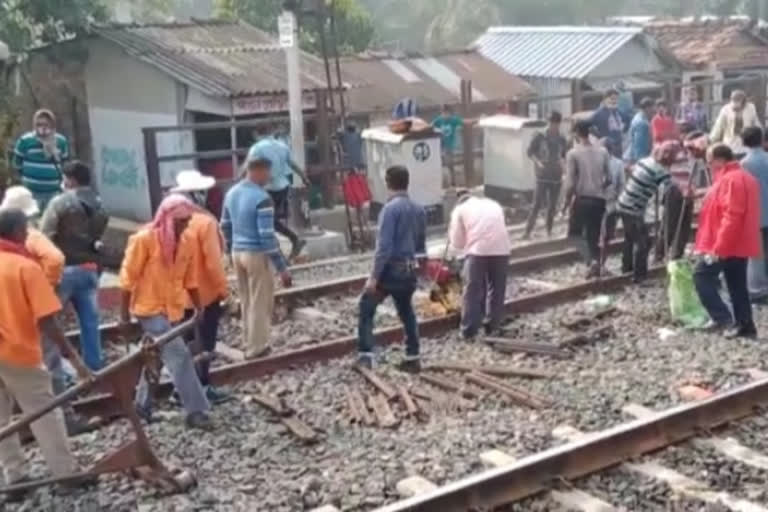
(289, 40)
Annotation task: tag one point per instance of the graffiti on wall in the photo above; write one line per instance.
(119, 168)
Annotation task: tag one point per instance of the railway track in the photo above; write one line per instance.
(556, 471)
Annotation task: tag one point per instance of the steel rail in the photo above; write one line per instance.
(104, 406)
(594, 452)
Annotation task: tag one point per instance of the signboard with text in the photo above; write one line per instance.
(273, 103)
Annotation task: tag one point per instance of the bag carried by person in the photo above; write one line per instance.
(684, 304)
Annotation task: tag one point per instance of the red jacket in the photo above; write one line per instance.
(664, 128)
(729, 222)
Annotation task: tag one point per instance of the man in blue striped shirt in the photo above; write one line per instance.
(39, 156)
(648, 176)
(247, 222)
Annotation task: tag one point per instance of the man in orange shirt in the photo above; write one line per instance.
(52, 260)
(214, 287)
(28, 306)
(158, 278)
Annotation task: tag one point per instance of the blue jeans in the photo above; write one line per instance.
(81, 287)
(400, 285)
(177, 358)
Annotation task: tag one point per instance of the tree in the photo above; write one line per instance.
(24, 23)
(354, 27)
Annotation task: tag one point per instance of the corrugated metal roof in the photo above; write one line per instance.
(219, 58)
(429, 80)
(553, 52)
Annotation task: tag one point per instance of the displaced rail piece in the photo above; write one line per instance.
(135, 456)
(589, 454)
(105, 406)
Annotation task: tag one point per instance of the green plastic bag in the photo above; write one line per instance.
(684, 303)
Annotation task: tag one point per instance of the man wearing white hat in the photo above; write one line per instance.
(213, 287)
(51, 259)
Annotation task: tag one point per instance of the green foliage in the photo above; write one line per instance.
(354, 26)
(24, 23)
(9, 124)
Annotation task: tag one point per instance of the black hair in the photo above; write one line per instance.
(12, 221)
(722, 152)
(78, 171)
(397, 178)
(555, 117)
(582, 128)
(752, 137)
(610, 92)
(661, 102)
(646, 103)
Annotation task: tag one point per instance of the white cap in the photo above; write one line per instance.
(193, 181)
(20, 198)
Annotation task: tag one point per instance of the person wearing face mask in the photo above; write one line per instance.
(39, 155)
(608, 122)
(733, 119)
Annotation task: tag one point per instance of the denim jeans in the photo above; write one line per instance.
(208, 330)
(81, 287)
(177, 358)
(547, 192)
(400, 284)
(707, 281)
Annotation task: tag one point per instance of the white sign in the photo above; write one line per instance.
(273, 103)
(286, 28)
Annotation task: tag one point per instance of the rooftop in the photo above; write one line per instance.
(566, 52)
(429, 80)
(217, 57)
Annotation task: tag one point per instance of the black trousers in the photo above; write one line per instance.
(280, 202)
(208, 331)
(585, 221)
(707, 281)
(634, 256)
(674, 205)
(611, 221)
(547, 192)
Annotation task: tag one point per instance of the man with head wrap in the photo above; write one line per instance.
(158, 277)
(39, 155)
(648, 175)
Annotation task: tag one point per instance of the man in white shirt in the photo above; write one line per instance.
(478, 230)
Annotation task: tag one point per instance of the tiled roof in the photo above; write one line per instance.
(220, 58)
(429, 80)
(553, 52)
(699, 43)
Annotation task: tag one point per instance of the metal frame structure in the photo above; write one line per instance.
(135, 456)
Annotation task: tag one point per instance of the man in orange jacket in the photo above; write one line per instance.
(728, 235)
(203, 229)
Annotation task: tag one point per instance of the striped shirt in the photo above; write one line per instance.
(39, 172)
(647, 177)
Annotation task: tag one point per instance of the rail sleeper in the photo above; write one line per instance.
(573, 499)
(677, 481)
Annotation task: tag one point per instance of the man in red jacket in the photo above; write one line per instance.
(728, 235)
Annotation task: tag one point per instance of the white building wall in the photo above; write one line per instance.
(124, 96)
(634, 58)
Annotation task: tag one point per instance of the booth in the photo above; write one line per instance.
(509, 173)
(419, 152)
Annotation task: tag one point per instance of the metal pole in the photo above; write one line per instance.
(335, 41)
(233, 138)
(289, 41)
(324, 49)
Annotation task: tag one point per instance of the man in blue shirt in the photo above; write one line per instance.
(247, 222)
(401, 240)
(608, 122)
(756, 164)
(279, 186)
(640, 136)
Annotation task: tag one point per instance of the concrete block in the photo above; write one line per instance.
(309, 314)
(694, 393)
(496, 458)
(414, 486)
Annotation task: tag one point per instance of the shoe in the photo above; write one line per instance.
(365, 362)
(749, 333)
(217, 396)
(258, 355)
(410, 366)
(21, 495)
(144, 413)
(77, 425)
(712, 327)
(594, 271)
(296, 249)
(200, 421)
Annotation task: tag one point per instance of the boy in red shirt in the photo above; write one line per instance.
(728, 235)
(663, 126)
